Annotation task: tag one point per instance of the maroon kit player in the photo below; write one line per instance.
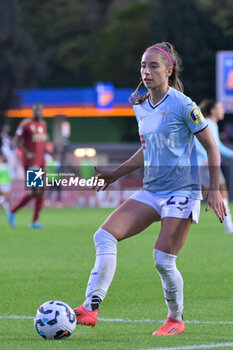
(31, 137)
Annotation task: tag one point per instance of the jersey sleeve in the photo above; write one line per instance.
(193, 117)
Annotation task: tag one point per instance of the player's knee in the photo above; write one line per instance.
(164, 263)
(105, 242)
(160, 267)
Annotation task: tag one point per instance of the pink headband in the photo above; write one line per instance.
(165, 53)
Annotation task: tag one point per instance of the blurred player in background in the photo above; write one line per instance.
(8, 148)
(167, 120)
(5, 182)
(214, 112)
(53, 168)
(31, 137)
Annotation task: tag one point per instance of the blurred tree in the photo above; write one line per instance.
(19, 63)
(120, 44)
(103, 40)
(65, 30)
(222, 13)
(196, 38)
(81, 39)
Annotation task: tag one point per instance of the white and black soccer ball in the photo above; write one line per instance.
(55, 320)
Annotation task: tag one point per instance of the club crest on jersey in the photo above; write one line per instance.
(40, 129)
(33, 128)
(164, 114)
(196, 116)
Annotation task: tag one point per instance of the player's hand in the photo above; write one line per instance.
(108, 177)
(30, 155)
(215, 201)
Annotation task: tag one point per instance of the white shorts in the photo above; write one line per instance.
(173, 206)
(205, 177)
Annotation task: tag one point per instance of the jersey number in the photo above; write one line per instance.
(172, 202)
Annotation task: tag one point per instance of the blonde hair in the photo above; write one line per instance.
(173, 80)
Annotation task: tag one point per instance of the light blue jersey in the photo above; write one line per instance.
(201, 152)
(166, 133)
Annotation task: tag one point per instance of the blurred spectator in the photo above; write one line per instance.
(214, 112)
(5, 182)
(86, 172)
(228, 133)
(53, 169)
(8, 148)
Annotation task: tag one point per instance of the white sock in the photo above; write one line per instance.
(105, 265)
(227, 219)
(172, 283)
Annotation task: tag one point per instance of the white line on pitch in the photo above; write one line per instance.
(129, 321)
(162, 321)
(17, 317)
(202, 346)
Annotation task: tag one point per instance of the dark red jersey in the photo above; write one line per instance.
(34, 136)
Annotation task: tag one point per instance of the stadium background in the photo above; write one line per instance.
(56, 53)
(48, 50)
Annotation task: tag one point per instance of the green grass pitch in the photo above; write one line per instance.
(55, 263)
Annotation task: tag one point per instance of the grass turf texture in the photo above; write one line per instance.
(55, 263)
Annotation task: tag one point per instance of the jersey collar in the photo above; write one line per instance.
(161, 101)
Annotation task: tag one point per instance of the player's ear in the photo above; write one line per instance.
(170, 69)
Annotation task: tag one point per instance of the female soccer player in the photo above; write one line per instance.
(167, 120)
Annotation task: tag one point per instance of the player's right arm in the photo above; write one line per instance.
(19, 139)
(133, 163)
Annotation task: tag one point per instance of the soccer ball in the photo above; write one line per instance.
(55, 320)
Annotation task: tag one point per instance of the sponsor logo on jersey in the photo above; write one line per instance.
(196, 116)
(181, 209)
(162, 141)
(190, 104)
(39, 137)
(142, 117)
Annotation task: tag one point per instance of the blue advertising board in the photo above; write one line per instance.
(104, 95)
(224, 79)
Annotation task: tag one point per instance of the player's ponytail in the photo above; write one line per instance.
(135, 98)
(173, 80)
(168, 54)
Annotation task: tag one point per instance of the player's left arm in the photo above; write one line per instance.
(214, 198)
(197, 124)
